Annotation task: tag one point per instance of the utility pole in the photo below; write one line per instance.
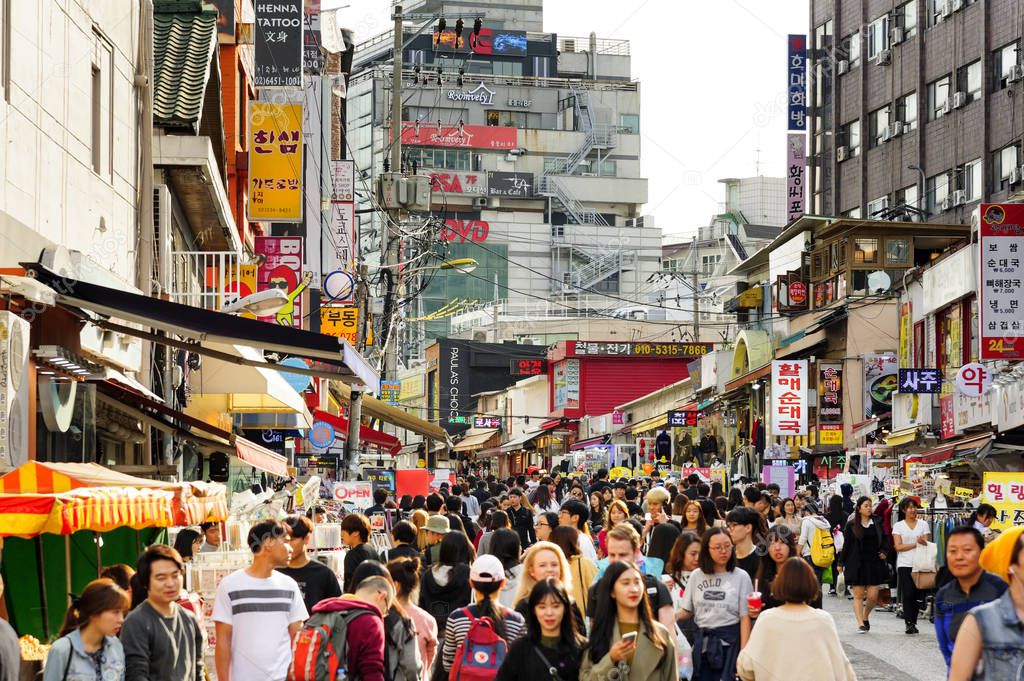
(391, 233)
(696, 288)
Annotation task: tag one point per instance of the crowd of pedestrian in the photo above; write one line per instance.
(550, 577)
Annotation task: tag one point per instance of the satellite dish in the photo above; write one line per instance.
(878, 281)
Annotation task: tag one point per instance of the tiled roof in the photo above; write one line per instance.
(184, 40)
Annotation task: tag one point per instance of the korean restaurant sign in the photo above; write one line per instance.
(341, 322)
(281, 268)
(796, 166)
(789, 397)
(279, 46)
(1005, 492)
(796, 82)
(1001, 287)
(467, 136)
(275, 162)
(830, 403)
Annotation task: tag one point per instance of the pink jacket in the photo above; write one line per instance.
(426, 634)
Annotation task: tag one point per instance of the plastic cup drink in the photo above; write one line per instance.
(754, 600)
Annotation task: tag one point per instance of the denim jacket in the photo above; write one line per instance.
(82, 667)
(1002, 636)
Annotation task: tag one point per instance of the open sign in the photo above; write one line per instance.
(357, 493)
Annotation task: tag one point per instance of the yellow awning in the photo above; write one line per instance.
(901, 437)
(659, 421)
(474, 441)
(751, 298)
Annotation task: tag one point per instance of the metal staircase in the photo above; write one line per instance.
(595, 137)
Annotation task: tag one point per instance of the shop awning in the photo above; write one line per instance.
(394, 415)
(333, 357)
(949, 450)
(488, 453)
(864, 428)
(659, 421)
(367, 435)
(589, 442)
(748, 377)
(560, 424)
(474, 441)
(901, 437)
(260, 457)
(517, 443)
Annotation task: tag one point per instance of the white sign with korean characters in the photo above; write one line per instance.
(789, 397)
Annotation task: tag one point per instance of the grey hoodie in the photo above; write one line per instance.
(807, 527)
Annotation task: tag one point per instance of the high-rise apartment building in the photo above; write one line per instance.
(916, 107)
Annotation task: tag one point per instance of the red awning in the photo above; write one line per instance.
(748, 377)
(367, 435)
(559, 424)
(261, 457)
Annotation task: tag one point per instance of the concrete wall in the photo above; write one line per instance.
(49, 190)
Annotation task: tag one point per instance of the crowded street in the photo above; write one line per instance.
(504, 340)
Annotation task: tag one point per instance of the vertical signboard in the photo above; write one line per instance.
(281, 268)
(1001, 288)
(275, 162)
(830, 403)
(278, 44)
(789, 397)
(796, 165)
(906, 335)
(312, 57)
(796, 82)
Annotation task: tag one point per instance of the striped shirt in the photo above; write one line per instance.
(457, 629)
(259, 612)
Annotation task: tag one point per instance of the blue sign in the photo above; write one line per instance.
(321, 435)
(389, 391)
(299, 382)
(927, 381)
(796, 82)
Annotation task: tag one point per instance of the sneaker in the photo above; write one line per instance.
(862, 629)
(832, 592)
(867, 625)
(912, 629)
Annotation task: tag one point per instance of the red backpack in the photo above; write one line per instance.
(320, 648)
(481, 654)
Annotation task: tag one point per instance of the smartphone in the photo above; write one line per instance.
(629, 637)
(647, 517)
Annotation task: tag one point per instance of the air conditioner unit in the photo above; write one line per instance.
(1014, 176)
(908, 128)
(884, 57)
(841, 153)
(14, 352)
(895, 130)
(955, 5)
(959, 99)
(480, 202)
(1016, 73)
(959, 197)
(896, 36)
(842, 66)
(947, 107)
(947, 203)
(886, 134)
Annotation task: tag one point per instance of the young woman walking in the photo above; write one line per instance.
(907, 535)
(552, 648)
(862, 560)
(88, 648)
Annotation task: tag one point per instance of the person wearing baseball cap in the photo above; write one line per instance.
(486, 576)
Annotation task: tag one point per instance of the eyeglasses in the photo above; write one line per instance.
(541, 525)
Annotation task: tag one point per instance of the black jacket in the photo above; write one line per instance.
(353, 558)
(481, 495)
(523, 662)
(853, 552)
(522, 522)
(439, 600)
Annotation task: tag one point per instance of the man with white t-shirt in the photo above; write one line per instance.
(907, 535)
(257, 611)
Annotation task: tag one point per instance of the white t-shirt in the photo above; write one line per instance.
(259, 612)
(908, 536)
(717, 600)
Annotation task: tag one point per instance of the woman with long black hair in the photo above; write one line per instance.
(552, 648)
(445, 584)
(88, 647)
(625, 639)
(781, 546)
(862, 560)
(542, 500)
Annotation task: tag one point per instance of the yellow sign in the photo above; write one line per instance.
(830, 436)
(238, 284)
(619, 472)
(963, 493)
(275, 162)
(342, 322)
(1005, 491)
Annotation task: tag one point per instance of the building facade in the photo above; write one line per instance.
(913, 108)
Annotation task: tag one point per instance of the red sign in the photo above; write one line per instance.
(282, 269)
(458, 183)
(468, 136)
(947, 417)
(1001, 284)
(473, 230)
(797, 293)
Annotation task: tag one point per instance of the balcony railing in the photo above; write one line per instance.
(209, 279)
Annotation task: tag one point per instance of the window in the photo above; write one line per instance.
(865, 251)
(907, 196)
(708, 263)
(905, 19)
(938, 98)
(849, 137)
(968, 80)
(1005, 161)
(878, 206)
(906, 111)
(935, 11)
(969, 180)
(629, 123)
(512, 119)
(1003, 60)
(878, 125)
(936, 190)
(101, 105)
(849, 49)
(507, 68)
(878, 36)
(897, 251)
(852, 213)
(96, 137)
(541, 67)
(449, 159)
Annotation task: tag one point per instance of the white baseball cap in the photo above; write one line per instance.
(487, 569)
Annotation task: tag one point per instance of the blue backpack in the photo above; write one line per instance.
(481, 654)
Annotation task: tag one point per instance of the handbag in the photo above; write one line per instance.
(684, 655)
(925, 566)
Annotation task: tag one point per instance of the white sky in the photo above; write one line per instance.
(713, 86)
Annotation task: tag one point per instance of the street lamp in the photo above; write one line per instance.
(261, 303)
(460, 265)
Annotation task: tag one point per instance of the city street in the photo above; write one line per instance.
(886, 652)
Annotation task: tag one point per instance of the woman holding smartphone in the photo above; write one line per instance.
(626, 642)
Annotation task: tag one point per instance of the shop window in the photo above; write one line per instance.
(865, 251)
(897, 251)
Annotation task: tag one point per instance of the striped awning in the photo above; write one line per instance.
(653, 423)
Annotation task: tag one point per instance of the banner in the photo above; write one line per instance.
(1002, 281)
(359, 494)
(706, 474)
(783, 476)
(312, 57)
(275, 162)
(1005, 491)
(382, 478)
(880, 382)
(796, 82)
(796, 164)
(830, 403)
(278, 44)
(282, 269)
(454, 135)
(906, 335)
(789, 397)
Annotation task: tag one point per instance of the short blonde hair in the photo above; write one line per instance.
(527, 582)
(658, 495)
(624, 532)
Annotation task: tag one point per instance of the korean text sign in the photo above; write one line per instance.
(796, 165)
(789, 397)
(796, 82)
(275, 162)
(1001, 288)
(282, 269)
(342, 322)
(278, 44)
(1005, 491)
